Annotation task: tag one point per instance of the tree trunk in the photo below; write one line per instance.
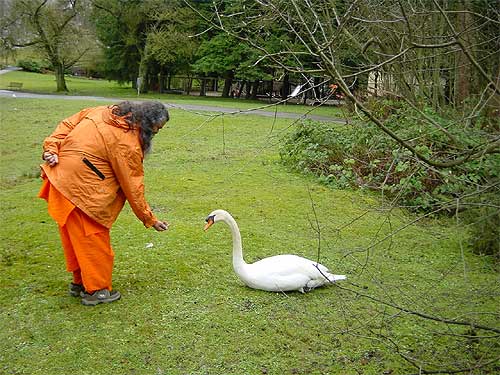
(242, 86)
(253, 91)
(143, 77)
(188, 85)
(316, 90)
(203, 87)
(439, 75)
(60, 80)
(161, 81)
(285, 89)
(227, 84)
(248, 94)
(462, 86)
(307, 92)
(462, 79)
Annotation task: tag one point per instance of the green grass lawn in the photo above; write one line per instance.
(45, 84)
(183, 309)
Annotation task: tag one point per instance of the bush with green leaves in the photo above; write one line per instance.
(360, 155)
(35, 66)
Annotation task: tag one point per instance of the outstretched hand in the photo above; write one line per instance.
(160, 226)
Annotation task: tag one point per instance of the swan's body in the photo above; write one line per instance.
(279, 273)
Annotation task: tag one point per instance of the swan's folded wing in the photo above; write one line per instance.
(280, 273)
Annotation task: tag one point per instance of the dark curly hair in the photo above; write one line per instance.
(143, 115)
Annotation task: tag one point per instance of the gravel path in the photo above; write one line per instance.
(9, 69)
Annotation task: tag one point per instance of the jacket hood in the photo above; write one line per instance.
(117, 121)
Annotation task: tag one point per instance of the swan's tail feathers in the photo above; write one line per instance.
(334, 278)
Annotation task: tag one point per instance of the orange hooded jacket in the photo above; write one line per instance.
(100, 165)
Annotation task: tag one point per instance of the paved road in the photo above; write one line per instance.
(186, 107)
(9, 69)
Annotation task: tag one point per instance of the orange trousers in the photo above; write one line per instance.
(86, 243)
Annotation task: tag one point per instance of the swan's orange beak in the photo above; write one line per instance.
(210, 222)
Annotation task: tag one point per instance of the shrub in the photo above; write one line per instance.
(36, 66)
(360, 155)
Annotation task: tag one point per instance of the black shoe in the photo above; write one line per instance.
(76, 290)
(100, 296)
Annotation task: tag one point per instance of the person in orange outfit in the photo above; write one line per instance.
(93, 164)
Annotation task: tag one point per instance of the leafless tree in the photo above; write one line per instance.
(400, 40)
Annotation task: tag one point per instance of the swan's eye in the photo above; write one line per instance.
(210, 222)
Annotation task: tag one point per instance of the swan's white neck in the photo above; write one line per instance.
(238, 261)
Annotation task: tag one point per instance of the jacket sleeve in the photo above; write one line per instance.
(53, 142)
(127, 165)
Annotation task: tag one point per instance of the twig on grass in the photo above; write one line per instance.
(316, 228)
(419, 314)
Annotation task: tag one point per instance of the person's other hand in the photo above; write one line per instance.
(51, 159)
(160, 226)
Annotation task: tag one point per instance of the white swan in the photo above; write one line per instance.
(279, 273)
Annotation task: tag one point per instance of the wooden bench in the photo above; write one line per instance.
(15, 86)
